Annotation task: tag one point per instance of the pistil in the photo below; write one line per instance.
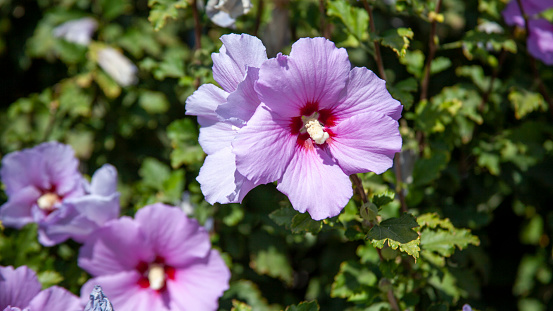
(314, 128)
(47, 201)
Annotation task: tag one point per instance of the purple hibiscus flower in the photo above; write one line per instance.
(161, 260)
(20, 290)
(540, 38)
(44, 185)
(319, 122)
(221, 113)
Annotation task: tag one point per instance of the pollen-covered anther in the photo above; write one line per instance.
(156, 276)
(314, 128)
(47, 201)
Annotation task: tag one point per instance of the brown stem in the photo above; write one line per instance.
(431, 52)
(359, 187)
(535, 72)
(377, 54)
(382, 72)
(325, 30)
(258, 17)
(197, 26)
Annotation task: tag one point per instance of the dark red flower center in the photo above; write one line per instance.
(155, 274)
(318, 119)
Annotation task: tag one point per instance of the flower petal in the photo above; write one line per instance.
(315, 72)
(204, 101)
(104, 181)
(241, 104)
(18, 286)
(237, 54)
(118, 246)
(315, 183)
(216, 137)
(217, 176)
(199, 286)
(17, 211)
(172, 235)
(540, 40)
(55, 298)
(365, 143)
(123, 291)
(264, 147)
(367, 92)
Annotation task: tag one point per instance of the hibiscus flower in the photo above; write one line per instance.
(319, 121)
(222, 112)
(160, 260)
(21, 290)
(44, 186)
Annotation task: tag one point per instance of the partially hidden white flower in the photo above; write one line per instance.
(119, 67)
(224, 12)
(489, 27)
(77, 31)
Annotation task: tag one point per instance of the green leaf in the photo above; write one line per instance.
(161, 10)
(154, 173)
(382, 199)
(403, 90)
(304, 306)
(184, 139)
(303, 222)
(153, 102)
(113, 8)
(433, 220)
(283, 216)
(248, 291)
(354, 282)
(356, 20)
(414, 62)
(273, 263)
(525, 102)
(240, 306)
(439, 64)
(443, 242)
(49, 278)
(397, 229)
(398, 40)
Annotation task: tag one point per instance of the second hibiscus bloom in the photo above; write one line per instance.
(318, 122)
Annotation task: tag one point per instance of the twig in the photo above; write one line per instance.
(535, 72)
(377, 54)
(359, 187)
(382, 72)
(325, 31)
(258, 17)
(197, 26)
(431, 52)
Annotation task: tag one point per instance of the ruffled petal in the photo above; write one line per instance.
(217, 136)
(123, 291)
(315, 73)
(367, 92)
(237, 54)
(216, 178)
(264, 147)
(204, 101)
(104, 181)
(365, 143)
(172, 235)
(55, 298)
(17, 286)
(61, 168)
(21, 169)
(118, 246)
(540, 40)
(315, 183)
(199, 286)
(17, 212)
(242, 103)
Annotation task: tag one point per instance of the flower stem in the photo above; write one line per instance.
(382, 72)
(258, 17)
(359, 187)
(197, 26)
(325, 30)
(431, 52)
